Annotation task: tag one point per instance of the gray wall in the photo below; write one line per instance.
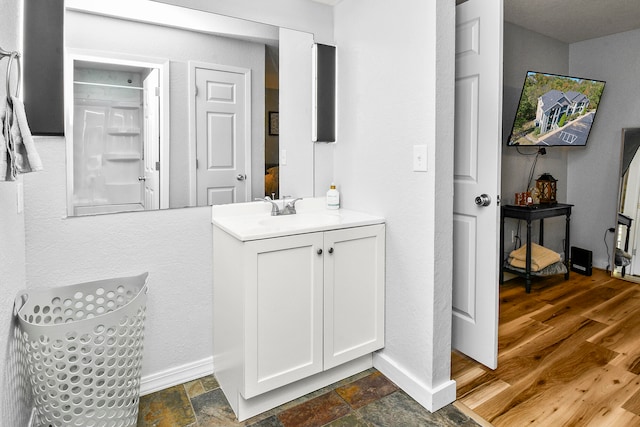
(524, 51)
(588, 176)
(593, 172)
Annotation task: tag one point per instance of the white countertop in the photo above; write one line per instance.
(253, 220)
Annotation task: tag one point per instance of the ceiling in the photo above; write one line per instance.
(571, 21)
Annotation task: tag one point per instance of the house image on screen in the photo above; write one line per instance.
(554, 104)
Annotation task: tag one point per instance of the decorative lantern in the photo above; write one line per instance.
(546, 186)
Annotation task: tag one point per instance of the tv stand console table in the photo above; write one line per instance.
(529, 214)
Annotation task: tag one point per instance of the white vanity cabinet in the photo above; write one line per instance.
(294, 313)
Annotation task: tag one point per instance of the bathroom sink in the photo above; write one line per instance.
(252, 221)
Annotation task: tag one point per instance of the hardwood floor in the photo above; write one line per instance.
(568, 355)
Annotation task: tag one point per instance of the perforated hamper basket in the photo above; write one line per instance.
(83, 348)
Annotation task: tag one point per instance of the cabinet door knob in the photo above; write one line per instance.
(330, 250)
(319, 251)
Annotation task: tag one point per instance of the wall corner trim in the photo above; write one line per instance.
(431, 399)
(176, 375)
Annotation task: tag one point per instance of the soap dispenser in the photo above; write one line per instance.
(333, 198)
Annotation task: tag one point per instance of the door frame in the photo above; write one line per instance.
(162, 64)
(191, 93)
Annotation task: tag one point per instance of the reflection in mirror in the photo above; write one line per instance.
(218, 80)
(627, 236)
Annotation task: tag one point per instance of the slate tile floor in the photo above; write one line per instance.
(367, 399)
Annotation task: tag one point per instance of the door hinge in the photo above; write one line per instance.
(157, 166)
(196, 90)
(197, 164)
(157, 90)
(498, 200)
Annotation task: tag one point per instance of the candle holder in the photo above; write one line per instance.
(547, 187)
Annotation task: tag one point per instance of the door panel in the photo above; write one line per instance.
(283, 313)
(353, 293)
(478, 124)
(223, 141)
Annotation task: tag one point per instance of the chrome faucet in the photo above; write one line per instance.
(287, 208)
(275, 211)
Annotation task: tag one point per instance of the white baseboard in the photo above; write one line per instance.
(432, 399)
(177, 375)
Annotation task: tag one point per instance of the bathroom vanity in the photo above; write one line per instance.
(298, 300)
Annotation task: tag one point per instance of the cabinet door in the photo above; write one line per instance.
(353, 293)
(283, 312)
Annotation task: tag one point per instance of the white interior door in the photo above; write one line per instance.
(223, 139)
(151, 88)
(478, 124)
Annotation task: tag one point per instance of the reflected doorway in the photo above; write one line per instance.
(114, 137)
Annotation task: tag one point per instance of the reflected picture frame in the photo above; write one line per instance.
(274, 123)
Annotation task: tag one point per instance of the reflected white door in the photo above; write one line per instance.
(478, 124)
(223, 138)
(151, 87)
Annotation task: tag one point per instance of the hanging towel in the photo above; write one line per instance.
(26, 156)
(541, 257)
(6, 145)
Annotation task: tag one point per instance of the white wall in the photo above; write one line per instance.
(525, 50)
(174, 246)
(395, 90)
(593, 172)
(15, 401)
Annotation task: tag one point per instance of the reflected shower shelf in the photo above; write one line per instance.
(123, 132)
(122, 157)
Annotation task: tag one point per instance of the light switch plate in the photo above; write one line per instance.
(420, 158)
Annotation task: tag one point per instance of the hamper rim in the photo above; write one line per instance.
(24, 293)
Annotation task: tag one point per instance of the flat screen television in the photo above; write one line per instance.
(555, 110)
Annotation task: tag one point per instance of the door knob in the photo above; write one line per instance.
(483, 200)
(142, 178)
(241, 177)
(319, 251)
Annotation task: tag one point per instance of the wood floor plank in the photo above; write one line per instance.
(518, 332)
(617, 308)
(577, 305)
(569, 355)
(484, 392)
(622, 336)
(564, 366)
(570, 403)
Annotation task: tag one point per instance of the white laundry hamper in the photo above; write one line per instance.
(83, 346)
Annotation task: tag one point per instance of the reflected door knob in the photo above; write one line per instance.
(241, 177)
(483, 200)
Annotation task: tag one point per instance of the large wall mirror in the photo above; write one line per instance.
(170, 107)
(626, 262)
